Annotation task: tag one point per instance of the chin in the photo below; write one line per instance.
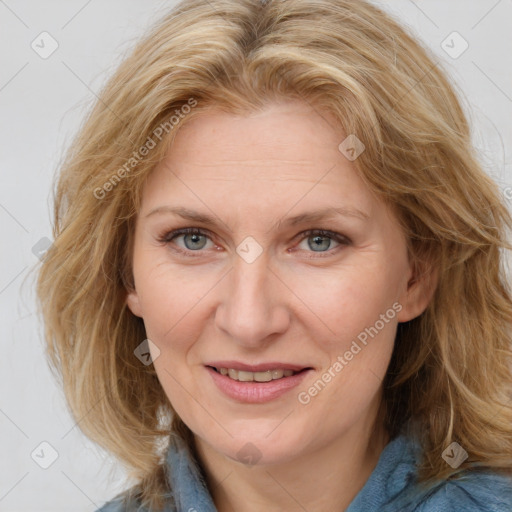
(259, 449)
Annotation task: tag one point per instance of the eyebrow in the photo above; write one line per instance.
(313, 216)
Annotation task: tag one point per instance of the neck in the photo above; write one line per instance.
(323, 480)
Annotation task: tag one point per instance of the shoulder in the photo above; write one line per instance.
(114, 505)
(122, 503)
(393, 486)
(471, 491)
(130, 501)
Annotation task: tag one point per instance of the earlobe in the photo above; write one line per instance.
(133, 303)
(420, 290)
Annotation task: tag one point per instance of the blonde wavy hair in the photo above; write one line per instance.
(451, 366)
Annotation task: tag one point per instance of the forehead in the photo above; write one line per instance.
(290, 130)
(285, 154)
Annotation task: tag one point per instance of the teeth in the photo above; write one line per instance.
(245, 376)
(277, 374)
(265, 376)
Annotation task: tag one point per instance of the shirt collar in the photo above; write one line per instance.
(190, 492)
(395, 471)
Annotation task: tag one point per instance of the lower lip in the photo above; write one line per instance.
(256, 392)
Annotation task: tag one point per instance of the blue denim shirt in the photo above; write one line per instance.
(390, 488)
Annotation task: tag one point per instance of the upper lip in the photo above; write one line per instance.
(261, 367)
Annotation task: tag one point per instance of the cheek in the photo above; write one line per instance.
(169, 296)
(171, 302)
(359, 306)
(346, 300)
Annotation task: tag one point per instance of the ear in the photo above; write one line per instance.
(133, 303)
(421, 285)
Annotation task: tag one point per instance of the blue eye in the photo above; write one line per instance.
(195, 239)
(320, 242)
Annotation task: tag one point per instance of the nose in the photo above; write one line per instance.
(253, 307)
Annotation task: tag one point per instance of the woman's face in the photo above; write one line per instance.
(260, 291)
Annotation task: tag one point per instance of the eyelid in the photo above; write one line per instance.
(168, 236)
(324, 232)
(341, 239)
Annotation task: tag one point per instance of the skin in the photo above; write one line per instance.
(295, 303)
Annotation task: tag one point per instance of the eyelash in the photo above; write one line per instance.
(168, 236)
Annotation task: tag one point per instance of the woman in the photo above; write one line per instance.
(276, 282)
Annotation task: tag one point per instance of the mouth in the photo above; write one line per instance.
(257, 376)
(256, 384)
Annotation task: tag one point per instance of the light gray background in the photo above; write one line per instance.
(42, 102)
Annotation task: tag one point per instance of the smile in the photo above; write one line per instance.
(257, 386)
(246, 376)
